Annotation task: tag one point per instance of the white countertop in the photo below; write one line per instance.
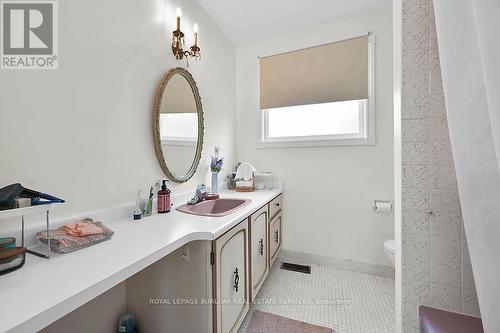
(43, 291)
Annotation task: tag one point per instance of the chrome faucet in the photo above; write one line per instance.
(200, 194)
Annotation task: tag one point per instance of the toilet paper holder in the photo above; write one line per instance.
(377, 204)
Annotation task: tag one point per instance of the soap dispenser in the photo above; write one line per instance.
(164, 198)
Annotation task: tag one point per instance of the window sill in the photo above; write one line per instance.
(316, 143)
(179, 142)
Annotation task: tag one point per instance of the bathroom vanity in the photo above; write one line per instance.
(215, 279)
(173, 257)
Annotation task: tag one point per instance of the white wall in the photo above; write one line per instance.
(328, 190)
(83, 132)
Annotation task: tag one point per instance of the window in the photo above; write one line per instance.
(319, 96)
(179, 129)
(316, 122)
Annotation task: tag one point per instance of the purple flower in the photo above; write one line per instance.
(216, 163)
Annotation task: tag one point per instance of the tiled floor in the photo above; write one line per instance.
(331, 296)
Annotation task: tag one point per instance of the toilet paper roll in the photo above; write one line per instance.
(383, 207)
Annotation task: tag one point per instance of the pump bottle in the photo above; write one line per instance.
(164, 198)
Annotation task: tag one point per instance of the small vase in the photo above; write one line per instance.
(231, 183)
(214, 188)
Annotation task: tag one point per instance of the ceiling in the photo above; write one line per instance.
(248, 21)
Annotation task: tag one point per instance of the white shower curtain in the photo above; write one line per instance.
(487, 20)
(469, 47)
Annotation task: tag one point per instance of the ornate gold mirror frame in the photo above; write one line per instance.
(156, 124)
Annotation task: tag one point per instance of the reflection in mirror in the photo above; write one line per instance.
(178, 126)
(178, 116)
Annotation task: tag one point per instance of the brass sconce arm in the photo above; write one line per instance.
(178, 42)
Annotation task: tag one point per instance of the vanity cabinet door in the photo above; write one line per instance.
(275, 238)
(231, 279)
(258, 249)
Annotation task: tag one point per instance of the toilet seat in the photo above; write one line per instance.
(390, 246)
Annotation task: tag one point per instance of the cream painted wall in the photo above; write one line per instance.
(83, 132)
(328, 190)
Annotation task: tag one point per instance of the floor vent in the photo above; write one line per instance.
(296, 268)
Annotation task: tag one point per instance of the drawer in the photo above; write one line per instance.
(275, 238)
(275, 206)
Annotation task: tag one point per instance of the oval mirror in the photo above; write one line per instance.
(178, 125)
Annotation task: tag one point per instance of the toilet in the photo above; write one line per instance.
(390, 249)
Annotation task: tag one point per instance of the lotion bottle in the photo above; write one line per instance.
(164, 198)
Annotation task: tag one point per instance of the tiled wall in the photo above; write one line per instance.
(436, 266)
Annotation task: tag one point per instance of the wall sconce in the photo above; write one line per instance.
(178, 41)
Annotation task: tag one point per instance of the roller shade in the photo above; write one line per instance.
(178, 97)
(327, 73)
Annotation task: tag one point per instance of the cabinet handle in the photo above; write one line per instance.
(276, 237)
(236, 280)
(261, 247)
(277, 204)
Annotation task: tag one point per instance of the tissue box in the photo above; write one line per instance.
(263, 180)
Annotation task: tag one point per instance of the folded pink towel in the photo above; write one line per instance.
(82, 228)
(62, 242)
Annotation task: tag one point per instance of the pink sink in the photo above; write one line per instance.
(218, 207)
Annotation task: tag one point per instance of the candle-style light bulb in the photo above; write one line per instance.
(178, 13)
(195, 29)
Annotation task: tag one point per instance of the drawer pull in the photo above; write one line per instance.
(261, 247)
(277, 204)
(236, 280)
(276, 237)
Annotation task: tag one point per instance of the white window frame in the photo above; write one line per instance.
(367, 121)
(181, 142)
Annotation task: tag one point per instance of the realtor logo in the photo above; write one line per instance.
(29, 35)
